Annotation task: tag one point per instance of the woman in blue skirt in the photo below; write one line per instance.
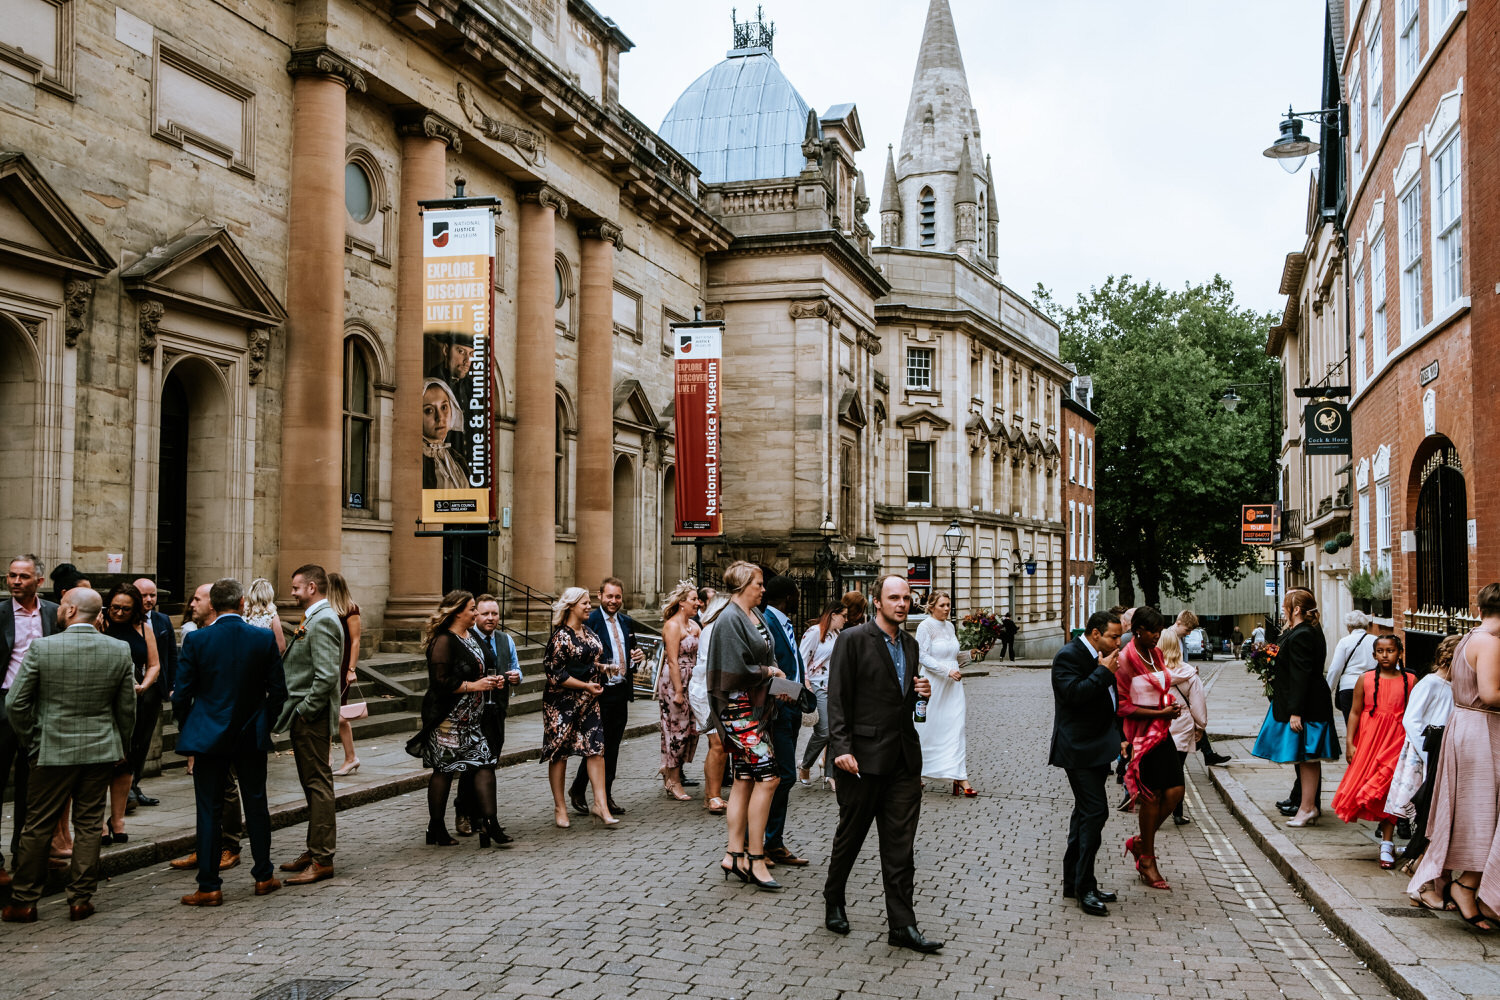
(1299, 724)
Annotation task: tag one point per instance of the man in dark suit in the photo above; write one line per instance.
(166, 648)
(873, 687)
(229, 690)
(1085, 741)
(617, 631)
(500, 657)
(24, 618)
(780, 599)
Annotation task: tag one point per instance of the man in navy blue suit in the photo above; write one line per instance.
(229, 689)
(786, 723)
(616, 630)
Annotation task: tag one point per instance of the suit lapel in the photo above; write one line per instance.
(885, 654)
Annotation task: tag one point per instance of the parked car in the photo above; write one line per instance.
(1196, 646)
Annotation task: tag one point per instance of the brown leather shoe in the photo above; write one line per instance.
(59, 864)
(80, 911)
(267, 887)
(303, 860)
(227, 860)
(4, 877)
(313, 873)
(185, 862)
(18, 914)
(201, 898)
(782, 856)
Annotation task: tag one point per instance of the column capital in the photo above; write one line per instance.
(77, 294)
(425, 124)
(323, 61)
(149, 313)
(601, 229)
(547, 197)
(810, 309)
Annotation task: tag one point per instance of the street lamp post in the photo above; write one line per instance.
(954, 541)
(827, 557)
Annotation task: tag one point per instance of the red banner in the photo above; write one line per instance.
(699, 362)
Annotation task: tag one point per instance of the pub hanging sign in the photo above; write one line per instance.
(1325, 429)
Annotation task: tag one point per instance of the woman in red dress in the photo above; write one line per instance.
(1375, 738)
(1146, 703)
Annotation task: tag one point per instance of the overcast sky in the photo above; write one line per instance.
(1126, 134)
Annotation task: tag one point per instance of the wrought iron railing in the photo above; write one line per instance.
(522, 606)
(1440, 621)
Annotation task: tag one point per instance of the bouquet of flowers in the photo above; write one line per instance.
(1262, 664)
(978, 631)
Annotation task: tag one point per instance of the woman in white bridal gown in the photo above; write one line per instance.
(944, 753)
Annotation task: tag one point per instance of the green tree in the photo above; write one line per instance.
(1172, 466)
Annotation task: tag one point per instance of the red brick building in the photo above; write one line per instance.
(1080, 593)
(1421, 147)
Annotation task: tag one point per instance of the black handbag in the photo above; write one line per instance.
(807, 701)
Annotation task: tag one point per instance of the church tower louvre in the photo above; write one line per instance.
(946, 201)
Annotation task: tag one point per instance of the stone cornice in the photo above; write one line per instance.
(985, 329)
(834, 244)
(547, 197)
(323, 61)
(600, 229)
(426, 124)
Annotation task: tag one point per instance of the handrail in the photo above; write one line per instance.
(516, 598)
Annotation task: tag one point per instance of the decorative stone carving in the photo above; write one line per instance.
(714, 313)
(33, 328)
(77, 294)
(324, 61)
(433, 127)
(600, 229)
(868, 342)
(547, 197)
(530, 144)
(150, 313)
(260, 343)
(648, 450)
(809, 309)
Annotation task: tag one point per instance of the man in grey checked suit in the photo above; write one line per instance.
(312, 663)
(72, 706)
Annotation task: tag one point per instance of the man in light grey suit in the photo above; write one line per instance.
(312, 663)
(72, 706)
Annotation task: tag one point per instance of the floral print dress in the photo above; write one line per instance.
(571, 722)
(679, 735)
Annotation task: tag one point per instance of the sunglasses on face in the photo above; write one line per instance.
(120, 609)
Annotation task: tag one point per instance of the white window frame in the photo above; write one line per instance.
(1356, 121)
(1383, 524)
(1447, 231)
(1364, 529)
(1360, 371)
(912, 353)
(1379, 325)
(1072, 456)
(1409, 244)
(931, 461)
(1088, 450)
(1088, 533)
(1073, 529)
(1375, 101)
(1408, 42)
(1439, 13)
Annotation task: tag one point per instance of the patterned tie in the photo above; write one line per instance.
(619, 641)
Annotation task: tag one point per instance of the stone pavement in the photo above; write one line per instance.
(641, 911)
(1336, 865)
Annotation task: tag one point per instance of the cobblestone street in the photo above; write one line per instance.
(642, 912)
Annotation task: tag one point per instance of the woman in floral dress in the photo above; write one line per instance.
(571, 723)
(679, 734)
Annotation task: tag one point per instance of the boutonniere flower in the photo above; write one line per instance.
(301, 631)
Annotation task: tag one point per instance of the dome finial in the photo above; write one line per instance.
(756, 34)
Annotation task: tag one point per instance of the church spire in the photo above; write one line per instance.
(939, 113)
(965, 206)
(890, 203)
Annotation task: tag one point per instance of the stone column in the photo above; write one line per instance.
(594, 511)
(534, 532)
(312, 411)
(416, 563)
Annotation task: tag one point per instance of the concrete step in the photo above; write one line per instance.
(387, 715)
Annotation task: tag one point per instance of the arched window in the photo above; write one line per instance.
(929, 218)
(359, 424)
(560, 470)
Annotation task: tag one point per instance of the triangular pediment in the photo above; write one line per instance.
(38, 230)
(632, 407)
(204, 271)
(851, 411)
(923, 416)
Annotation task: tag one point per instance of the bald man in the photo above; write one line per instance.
(152, 697)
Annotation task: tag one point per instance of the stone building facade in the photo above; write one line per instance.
(210, 304)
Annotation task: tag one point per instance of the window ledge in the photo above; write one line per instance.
(1450, 314)
(352, 523)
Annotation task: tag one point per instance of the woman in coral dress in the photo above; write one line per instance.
(1376, 734)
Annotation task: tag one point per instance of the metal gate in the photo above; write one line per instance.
(1443, 534)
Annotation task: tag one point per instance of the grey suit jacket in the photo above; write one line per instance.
(312, 663)
(73, 700)
(8, 627)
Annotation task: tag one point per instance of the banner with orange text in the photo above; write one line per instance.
(699, 358)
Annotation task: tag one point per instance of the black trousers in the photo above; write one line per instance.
(784, 744)
(894, 802)
(147, 711)
(11, 756)
(1086, 827)
(212, 775)
(614, 710)
(1007, 648)
(494, 732)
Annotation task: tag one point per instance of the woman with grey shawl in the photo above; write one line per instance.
(741, 664)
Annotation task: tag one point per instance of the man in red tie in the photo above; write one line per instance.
(616, 630)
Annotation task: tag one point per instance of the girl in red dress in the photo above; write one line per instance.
(1375, 738)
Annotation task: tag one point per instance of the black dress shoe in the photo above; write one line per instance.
(1182, 820)
(1287, 810)
(1109, 897)
(614, 807)
(1093, 905)
(1286, 804)
(144, 799)
(690, 783)
(1217, 760)
(835, 919)
(579, 806)
(910, 937)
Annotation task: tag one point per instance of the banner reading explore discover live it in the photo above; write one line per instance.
(699, 358)
(458, 252)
